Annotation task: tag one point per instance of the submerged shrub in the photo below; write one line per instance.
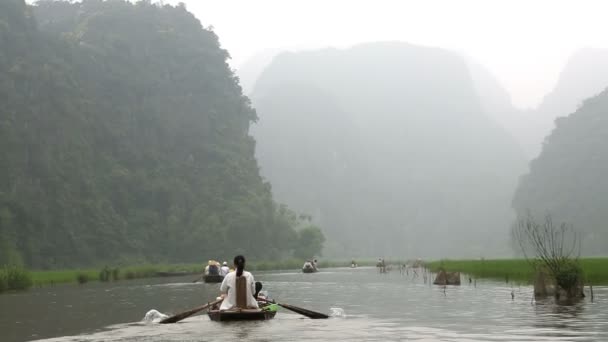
(104, 275)
(14, 278)
(3, 281)
(569, 276)
(82, 278)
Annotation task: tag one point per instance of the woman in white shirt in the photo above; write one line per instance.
(228, 287)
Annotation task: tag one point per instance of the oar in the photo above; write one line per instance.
(305, 312)
(302, 311)
(199, 278)
(186, 314)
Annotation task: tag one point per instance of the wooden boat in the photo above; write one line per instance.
(309, 267)
(266, 311)
(241, 315)
(308, 270)
(213, 278)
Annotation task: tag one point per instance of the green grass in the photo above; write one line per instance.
(518, 270)
(110, 273)
(41, 278)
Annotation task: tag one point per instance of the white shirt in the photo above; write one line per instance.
(229, 286)
(224, 270)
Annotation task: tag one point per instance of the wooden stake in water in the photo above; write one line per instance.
(591, 288)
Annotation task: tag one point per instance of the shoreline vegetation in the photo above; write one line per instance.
(518, 270)
(14, 278)
(17, 278)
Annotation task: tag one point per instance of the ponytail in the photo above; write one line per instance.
(239, 262)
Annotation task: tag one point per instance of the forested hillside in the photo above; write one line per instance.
(584, 75)
(124, 135)
(568, 179)
(387, 145)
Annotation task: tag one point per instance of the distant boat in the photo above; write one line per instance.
(211, 274)
(309, 268)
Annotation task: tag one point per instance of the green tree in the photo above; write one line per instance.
(309, 242)
(124, 135)
(568, 179)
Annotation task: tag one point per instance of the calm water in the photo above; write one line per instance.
(377, 307)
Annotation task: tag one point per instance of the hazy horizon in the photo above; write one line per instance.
(522, 44)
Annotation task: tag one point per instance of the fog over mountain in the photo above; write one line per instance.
(388, 146)
(124, 135)
(585, 75)
(568, 179)
(249, 71)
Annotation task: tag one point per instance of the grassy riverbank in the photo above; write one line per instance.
(41, 278)
(14, 278)
(52, 277)
(595, 269)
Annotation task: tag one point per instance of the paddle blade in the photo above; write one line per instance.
(186, 314)
(305, 312)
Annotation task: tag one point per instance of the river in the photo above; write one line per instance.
(366, 306)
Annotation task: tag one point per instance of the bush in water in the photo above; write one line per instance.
(104, 275)
(82, 278)
(3, 281)
(14, 278)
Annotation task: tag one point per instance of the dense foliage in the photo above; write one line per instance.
(14, 278)
(124, 135)
(310, 242)
(387, 146)
(568, 179)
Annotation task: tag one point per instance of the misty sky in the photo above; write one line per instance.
(525, 44)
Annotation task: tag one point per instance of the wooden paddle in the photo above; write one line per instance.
(305, 312)
(302, 311)
(186, 314)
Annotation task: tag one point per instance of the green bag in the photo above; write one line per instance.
(271, 307)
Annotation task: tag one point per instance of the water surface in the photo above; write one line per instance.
(377, 307)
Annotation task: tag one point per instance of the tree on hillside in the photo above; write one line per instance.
(124, 137)
(309, 242)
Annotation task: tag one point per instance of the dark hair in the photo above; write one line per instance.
(239, 262)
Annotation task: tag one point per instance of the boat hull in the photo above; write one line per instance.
(241, 315)
(174, 274)
(213, 278)
(308, 270)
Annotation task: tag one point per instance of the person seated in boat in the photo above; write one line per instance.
(229, 287)
(224, 270)
(314, 264)
(258, 289)
(307, 265)
(212, 268)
